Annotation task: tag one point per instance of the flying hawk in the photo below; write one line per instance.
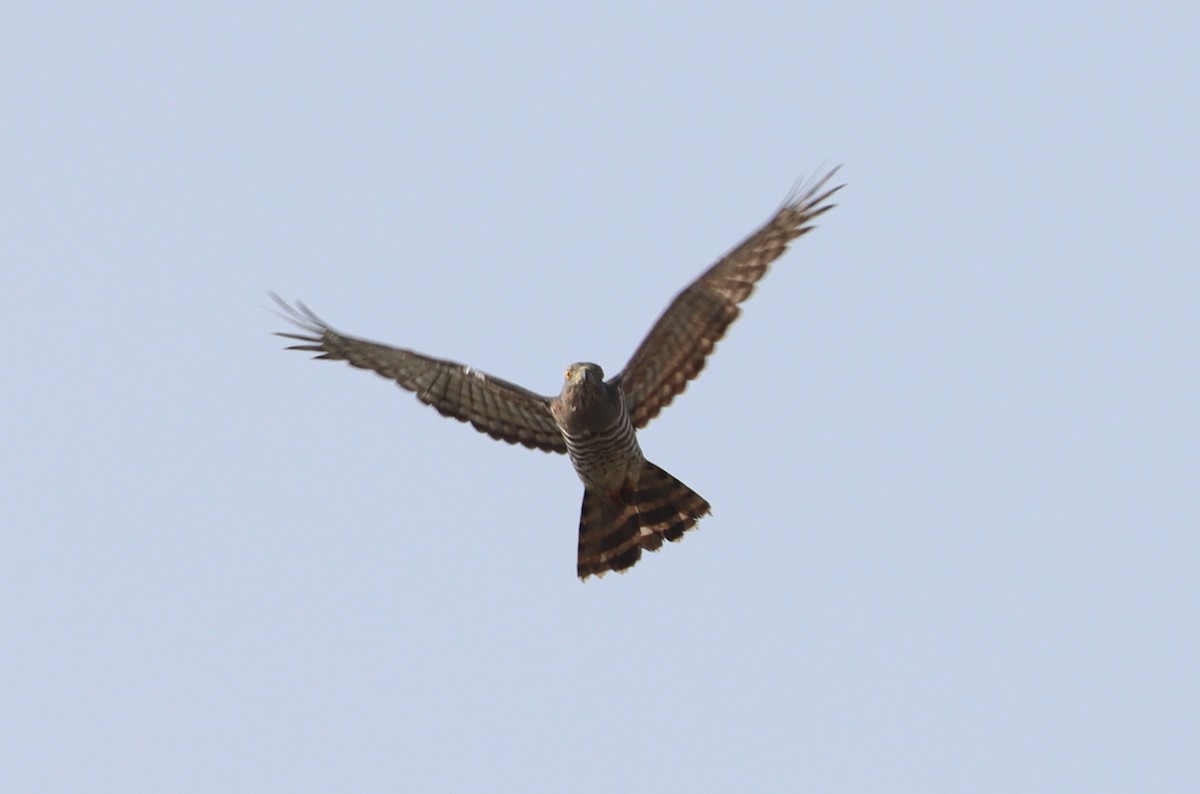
(629, 504)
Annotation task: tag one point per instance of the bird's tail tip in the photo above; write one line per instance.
(612, 534)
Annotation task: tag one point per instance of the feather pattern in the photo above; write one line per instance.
(679, 343)
(503, 410)
(613, 535)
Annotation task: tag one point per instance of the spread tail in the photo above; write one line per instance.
(613, 531)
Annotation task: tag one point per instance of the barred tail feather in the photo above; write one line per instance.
(612, 534)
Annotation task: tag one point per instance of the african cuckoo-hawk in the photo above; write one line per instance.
(629, 504)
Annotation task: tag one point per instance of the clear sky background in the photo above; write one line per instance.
(952, 446)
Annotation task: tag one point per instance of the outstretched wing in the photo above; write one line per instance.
(677, 346)
(501, 409)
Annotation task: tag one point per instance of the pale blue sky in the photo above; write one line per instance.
(952, 446)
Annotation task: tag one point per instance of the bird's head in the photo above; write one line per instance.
(586, 400)
(584, 384)
(583, 373)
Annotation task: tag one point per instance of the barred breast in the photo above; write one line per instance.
(606, 458)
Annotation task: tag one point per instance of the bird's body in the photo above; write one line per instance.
(629, 504)
(596, 427)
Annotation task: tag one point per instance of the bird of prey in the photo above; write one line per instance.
(629, 504)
